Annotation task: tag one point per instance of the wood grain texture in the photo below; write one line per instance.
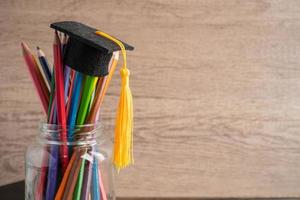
(216, 92)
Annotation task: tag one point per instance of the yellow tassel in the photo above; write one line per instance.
(123, 145)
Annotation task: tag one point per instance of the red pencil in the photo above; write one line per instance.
(60, 102)
(36, 76)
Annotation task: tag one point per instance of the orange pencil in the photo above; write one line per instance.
(101, 90)
(66, 176)
(71, 183)
(36, 76)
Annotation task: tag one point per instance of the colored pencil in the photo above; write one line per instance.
(66, 176)
(95, 114)
(44, 64)
(73, 180)
(67, 73)
(101, 90)
(36, 76)
(74, 102)
(64, 43)
(95, 180)
(78, 188)
(88, 89)
(53, 114)
(87, 181)
(52, 172)
(72, 177)
(60, 102)
(101, 185)
(70, 93)
(67, 69)
(45, 86)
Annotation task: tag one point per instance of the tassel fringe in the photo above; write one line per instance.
(123, 145)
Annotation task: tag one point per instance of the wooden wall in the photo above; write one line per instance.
(216, 89)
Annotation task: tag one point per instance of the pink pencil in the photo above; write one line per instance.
(102, 190)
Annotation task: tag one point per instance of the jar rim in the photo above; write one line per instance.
(78, 134)
(47, 125)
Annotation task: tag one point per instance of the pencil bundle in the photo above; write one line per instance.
(71, 94)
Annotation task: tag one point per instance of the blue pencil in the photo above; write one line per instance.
(52, 173)
(95, 181)
(74, 104)
(54, 114)
(44, 64)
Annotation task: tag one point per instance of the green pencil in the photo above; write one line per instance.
(78, 187)
(88, 88)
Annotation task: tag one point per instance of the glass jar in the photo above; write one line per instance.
(88, 171)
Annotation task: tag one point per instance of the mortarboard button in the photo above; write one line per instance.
(86, 51)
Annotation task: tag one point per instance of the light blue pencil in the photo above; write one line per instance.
(74, 104)
(95, 181)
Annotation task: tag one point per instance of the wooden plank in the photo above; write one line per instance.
(216, 92)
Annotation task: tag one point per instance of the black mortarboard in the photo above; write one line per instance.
(86, 51)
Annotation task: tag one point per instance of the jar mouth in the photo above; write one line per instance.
(70, 135)
(48, 126)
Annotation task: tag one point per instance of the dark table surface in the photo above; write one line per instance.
(13, 191)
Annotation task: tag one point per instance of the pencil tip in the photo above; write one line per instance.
(116, 55)
(23, 44)
(65, 39)
(56, 38)
(25, 48)
(40, 53)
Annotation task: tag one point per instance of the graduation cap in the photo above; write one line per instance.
(86, 51)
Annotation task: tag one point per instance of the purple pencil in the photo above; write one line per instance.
(86, 181)
(67, 73)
